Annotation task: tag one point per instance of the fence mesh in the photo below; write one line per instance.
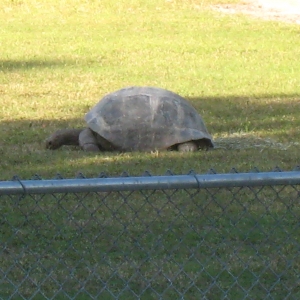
(214, 243)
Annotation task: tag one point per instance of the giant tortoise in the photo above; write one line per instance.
(138, 119)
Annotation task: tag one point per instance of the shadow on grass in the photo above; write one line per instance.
(13, 65)
(274, 115)
(228, 119)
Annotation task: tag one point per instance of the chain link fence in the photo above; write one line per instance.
(210, 236)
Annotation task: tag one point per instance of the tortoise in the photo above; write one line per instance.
(138, 119)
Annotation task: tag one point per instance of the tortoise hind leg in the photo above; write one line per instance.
(187, 147)
(87, 141)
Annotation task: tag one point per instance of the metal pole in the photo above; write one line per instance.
(191, 181)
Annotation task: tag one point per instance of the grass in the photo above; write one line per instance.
(167, 243)
(58, 59)
(242, 75)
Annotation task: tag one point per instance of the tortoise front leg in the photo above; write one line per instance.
(187, 147)
(87, 141)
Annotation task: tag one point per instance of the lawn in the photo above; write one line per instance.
(58, 58)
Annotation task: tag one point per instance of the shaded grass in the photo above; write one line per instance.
(262, 133)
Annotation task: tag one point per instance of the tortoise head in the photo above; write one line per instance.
(63, 137)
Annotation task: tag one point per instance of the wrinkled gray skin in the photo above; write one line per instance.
(138, 119)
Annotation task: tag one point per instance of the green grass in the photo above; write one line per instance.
(58, 58)
(202, 242)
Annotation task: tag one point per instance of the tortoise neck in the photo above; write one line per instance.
(69, 136)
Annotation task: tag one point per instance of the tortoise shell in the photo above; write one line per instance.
(146, 119)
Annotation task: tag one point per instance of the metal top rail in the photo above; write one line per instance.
(190, 181)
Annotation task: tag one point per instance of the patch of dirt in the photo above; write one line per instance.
(279, 10)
